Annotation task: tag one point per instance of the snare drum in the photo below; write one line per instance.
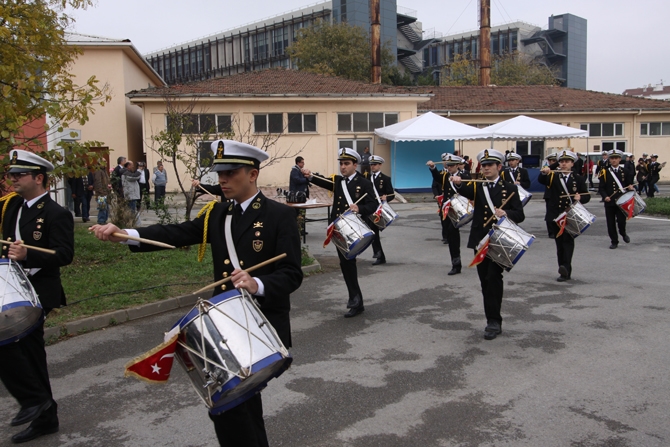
(384, 216)
(578, 219)
(20, 310)
(634, 199)
(460, 210)
(507, 243)
(229, 350)
(524, 195)
(350, 235)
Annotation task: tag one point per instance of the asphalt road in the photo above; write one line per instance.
(582, 363)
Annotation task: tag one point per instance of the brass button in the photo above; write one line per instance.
(241, 263)
(227, 261)
(225, 274)
(223, 287)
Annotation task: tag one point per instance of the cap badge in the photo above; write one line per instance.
(486, 153)
(219, 151)
(15, 158)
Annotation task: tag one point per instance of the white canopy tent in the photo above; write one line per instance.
(526, 128)
(419, 139)
(430, 127)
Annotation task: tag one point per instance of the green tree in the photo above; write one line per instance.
(340, 50)
(35, 78)
(508, 69)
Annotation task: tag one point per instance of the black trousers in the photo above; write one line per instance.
(650, 187)
(550, 224)
(454, 241)
(242, 425)
(615, 218)
(24, 372)
(491, 280)
(350, 273)
(565, 247)
(376, 242)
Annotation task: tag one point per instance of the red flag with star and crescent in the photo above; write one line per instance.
(629, 208)
(481, 254)
(377, 215)
(155, 365)
(439, 199)
(445, 209)
(329, 234)
(561, 221)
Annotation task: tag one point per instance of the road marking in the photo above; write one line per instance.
(652, 218)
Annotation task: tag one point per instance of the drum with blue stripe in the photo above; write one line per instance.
(20, 309)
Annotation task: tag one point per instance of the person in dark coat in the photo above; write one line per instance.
(447, 191)
(261, 229)
(115, 178)
(614, 181)
(297, 183)
(497, 190)
(357, 187)
(29, 215)
(514, 173)
(384, 192)
(561, 186)
(654, 168)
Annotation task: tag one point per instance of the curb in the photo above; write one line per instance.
(123, 316)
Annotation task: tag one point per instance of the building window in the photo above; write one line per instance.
(205, 155)
(603, 129)
(205, 123)
(364, 122)
(269, 123)
(655, 129)
(301, 122)
(224, 123)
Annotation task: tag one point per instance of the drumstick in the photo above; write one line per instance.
(578, 194)
(144, 241)
(356, 202)
(206, 192)
(504, 202)
(32, 247)
(250, 269)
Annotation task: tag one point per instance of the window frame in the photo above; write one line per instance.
(662, 125)
(302, 123)
(387, 117)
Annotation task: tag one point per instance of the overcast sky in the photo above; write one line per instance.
(626, 44)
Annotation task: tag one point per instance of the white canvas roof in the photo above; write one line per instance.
(526, 128)
(430, 127)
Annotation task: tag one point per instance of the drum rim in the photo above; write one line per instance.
(18, 337)
(214, 301)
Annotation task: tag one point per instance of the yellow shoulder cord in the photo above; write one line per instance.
(332, 179)
(6, 199)
(551, 180)
(203, 246)
(444, 179)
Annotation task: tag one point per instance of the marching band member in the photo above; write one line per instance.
(514, 173)
(384, 193)
(488, 198)
(356, 186)
(561, 186)
(613, 182)
(260, 229)
(438, 194)
(444, 177)
(30, 215)
(551, 162)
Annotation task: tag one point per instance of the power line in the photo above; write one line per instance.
(466, 7)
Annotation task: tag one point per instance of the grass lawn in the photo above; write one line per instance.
(100, 269)
(658, 205)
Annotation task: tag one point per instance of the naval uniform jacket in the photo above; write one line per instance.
(383, 184)
(442, 178)
(266, 229)
(481, 213)
(357, 186)
(654, 171)
(607, 187)
(48, 225)
(557, 204)
(519, 175)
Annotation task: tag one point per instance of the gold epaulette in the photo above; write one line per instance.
(207, 209)
(6, 199)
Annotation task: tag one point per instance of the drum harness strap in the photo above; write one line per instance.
(565, 188)
(488, 199)
(374, 188)
(616, 180)
(345, 190)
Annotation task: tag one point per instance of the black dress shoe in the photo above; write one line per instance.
(551, 236)
(562, 278)
(614, 245)
(626, 239)
(377, 254)
(455, 270)
(31, 433)
(492, 330)
(444, 241)
(563, 271)
(29, 414)
(379, 261)
(355, 301)
(354, 311)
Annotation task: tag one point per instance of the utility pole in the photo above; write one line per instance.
(484, 42)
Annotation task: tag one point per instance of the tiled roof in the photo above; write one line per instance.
(279, 82)
(531, 98)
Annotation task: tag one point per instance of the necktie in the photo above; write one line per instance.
(237, 213)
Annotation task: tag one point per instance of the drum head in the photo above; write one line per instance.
(20, 310)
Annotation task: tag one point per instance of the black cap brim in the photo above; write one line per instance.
(221, 167)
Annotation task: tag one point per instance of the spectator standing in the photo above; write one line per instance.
(101, 187)
(130, 177)
(642, 174)
(365, 161)
(297, 183)
(145, 176)
(160, 180)
(117, 181)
